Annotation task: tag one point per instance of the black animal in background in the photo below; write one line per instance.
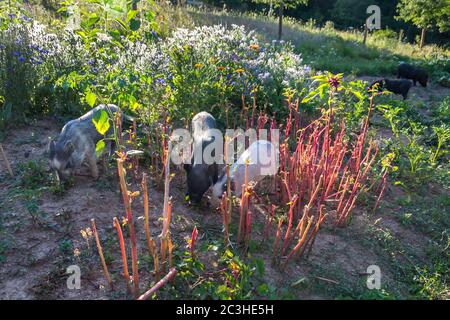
(201, 175)
(414, 73)
(396, 86)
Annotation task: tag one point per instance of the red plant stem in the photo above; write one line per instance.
(288, 230)
(383, 186)
(224, 211)
(312, 236)
(126, 275)
(300, 241)
(192, 244)
(127, 203)
(248, 229)
(244, 206)
(254, 108)
(147, 295)
(170, 247)
(165, 239)
(151, 245)
(100, 253)
(277, 238)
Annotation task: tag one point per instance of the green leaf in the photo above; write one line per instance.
(130, 15)
(135, 24)
(90, 98)
(310, 96)
(101, 121)
(322, 88)
(262, 289)
(358, 95)
(260, 267)
(99, 148)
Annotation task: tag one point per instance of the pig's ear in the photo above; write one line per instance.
(69, 147)
(187, 167)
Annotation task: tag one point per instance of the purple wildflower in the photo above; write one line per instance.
(334, 82)
(160, 81)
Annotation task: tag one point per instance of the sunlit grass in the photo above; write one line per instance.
(330, 49)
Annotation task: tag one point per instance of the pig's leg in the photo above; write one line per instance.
(93, 166)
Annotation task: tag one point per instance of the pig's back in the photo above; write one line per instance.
(202, 122)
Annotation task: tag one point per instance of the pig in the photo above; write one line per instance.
(76, 144)
(200, 174)
(414, 73)
(396, 86)
(262, 156)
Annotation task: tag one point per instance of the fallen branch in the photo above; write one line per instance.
(8, 165)
(157, 286)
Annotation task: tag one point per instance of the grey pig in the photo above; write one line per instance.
(77, 142)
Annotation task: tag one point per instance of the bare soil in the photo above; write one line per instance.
(38, 247)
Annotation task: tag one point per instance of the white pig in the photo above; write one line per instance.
(263, 161)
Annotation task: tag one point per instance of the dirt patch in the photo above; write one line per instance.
(40, 246)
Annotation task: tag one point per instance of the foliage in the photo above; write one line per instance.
(420, 148)
(425, 13)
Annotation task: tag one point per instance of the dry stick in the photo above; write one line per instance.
(8, 165)
(157, 286)
(126, 275)
(150, 241)
(166, 209)
(100, 253)
(127, 203)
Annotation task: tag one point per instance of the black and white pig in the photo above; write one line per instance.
(262, 156)
(201, 173)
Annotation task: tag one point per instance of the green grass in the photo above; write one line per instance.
(334, 50)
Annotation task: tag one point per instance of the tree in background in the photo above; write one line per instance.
(425, 14)
(281, 5)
